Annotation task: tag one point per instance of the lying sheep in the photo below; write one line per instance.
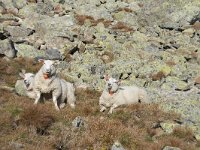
(46, 81)
(115, 95)
(28, 79)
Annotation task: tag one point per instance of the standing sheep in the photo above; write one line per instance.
(68, 90)
(115, 95)
(46, 81)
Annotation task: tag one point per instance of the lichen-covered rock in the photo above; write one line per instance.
(168, 127)
(170, 148)
(19, 4)
(24, 50)
(7, 48)
(18, 34)
(20, 89)
(117, 146)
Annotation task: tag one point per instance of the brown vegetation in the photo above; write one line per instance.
(82, 18)
(41, 127)
(125, 9)
(158, 76)
(121, 26)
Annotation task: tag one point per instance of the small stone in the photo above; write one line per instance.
(189, 32)
(16, 145)
(78, 122)
(117, 146)
(171, 148)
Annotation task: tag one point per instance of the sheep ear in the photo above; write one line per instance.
(56, 62)
(22, 75)
(41, 60)
(106, 77)
(118, 82)
(23, 71)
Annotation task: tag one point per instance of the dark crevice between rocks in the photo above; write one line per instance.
(72, 51)
(2, 36)
(170, 29)
(31, 33)
(195, 19)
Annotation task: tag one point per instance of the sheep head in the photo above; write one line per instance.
(112, 84)
(27, 77)
(48, 68)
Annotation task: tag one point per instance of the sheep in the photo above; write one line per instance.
(28, 79)
(68, 89)
(46, 81)
(115, 95)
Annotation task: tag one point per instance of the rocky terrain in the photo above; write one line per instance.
(150, 43)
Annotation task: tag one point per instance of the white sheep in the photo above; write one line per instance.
(68, 90)
(115, 95)
(46, 81)
(28, 79)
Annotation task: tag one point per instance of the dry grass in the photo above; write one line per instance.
(41, 127)
(196, 25)
(9, 70)
(82, 18)
(158, 76)
(121, 26)
(125, 9)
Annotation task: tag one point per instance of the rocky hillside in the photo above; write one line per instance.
(150, 43)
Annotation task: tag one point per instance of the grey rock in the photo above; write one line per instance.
(44, 8)
(19, 4)
(16, 145)
(24, 50)
(171, 148)
(53, 54)
(117, 146)
(19, 33)
(78, 122)
(20, 89)
(7, 48)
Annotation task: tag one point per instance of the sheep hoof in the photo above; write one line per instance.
(72, 106)
(102, 109)
(62, 105)
(110, 112)
(57, 108)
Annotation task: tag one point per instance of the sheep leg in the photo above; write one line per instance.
(55, 102)
(112, 108)
(102, 108)
(38, 95)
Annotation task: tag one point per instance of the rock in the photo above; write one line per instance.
(170, 148)
(168, 127)
(45, 8)
(24, 50)
(16, 145)
(19, 4)
(189, 32)
(53, 54)
(7, 48)
(46, 27)
(117, 146)
(174, 83)
(78, 122)
(18, 34)
(20, 89)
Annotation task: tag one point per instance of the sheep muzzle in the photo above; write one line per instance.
(45, 75)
